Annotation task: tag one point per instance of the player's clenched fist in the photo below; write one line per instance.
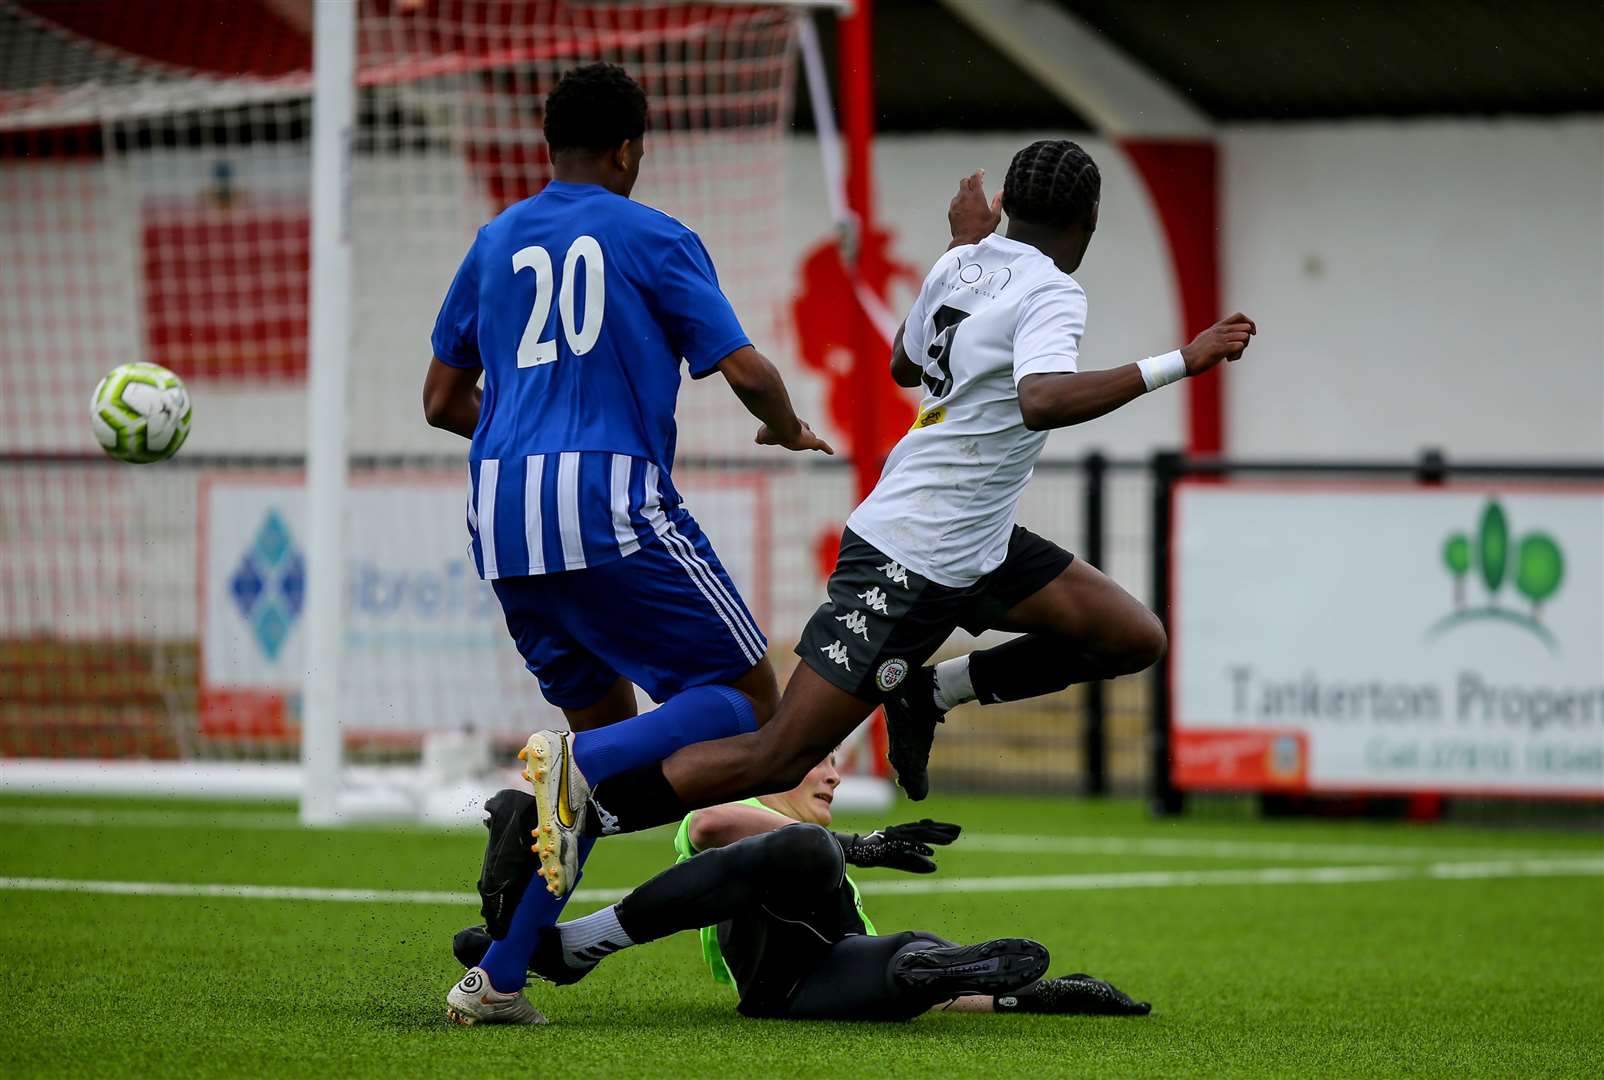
(970, 216)
(804, 439)
(1225, 340)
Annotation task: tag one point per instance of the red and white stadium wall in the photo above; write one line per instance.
(1430, 283)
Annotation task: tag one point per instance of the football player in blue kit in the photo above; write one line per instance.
(577, 306)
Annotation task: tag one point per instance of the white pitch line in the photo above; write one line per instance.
(88, 817)
(272, 892)
(75, 817)
(238, 892)
(1244, 849)
(1286, 875)
(263, 820)
(1150, 879)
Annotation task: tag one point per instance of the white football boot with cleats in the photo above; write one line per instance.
(562, 799)
(474, 1001)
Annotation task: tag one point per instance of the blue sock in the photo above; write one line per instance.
(697, 715)
(507, 960)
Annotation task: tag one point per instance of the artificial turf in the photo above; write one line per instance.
(1482, 975)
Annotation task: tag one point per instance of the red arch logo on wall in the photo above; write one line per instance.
(827, 315)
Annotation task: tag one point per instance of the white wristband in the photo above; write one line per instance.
(1160, 371)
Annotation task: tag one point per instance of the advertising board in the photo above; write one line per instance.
(1381, 638)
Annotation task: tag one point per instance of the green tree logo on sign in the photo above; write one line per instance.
(1535, 564)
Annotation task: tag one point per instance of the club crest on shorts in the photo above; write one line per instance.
(889, 675)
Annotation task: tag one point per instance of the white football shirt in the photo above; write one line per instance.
(988, 315)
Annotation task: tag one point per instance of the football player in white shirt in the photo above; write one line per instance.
(994, 338)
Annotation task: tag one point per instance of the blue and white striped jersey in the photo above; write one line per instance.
(564, 511)
(579, 305)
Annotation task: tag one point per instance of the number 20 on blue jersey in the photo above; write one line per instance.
(581, 328)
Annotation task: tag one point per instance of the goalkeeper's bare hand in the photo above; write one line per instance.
(970, 217)
(900, 847)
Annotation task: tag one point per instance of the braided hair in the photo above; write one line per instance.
(1052, 182)
(594, 107)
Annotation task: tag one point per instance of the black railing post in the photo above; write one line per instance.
(1167, 467)
(1433, 468)
(1095, 734)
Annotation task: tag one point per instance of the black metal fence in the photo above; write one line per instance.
(70, 693)
(1093, 738)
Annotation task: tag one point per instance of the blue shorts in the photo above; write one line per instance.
(667, 618)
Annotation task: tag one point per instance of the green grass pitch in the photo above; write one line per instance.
(1263, 949)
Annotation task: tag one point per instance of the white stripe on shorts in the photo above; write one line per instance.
(623, 528)
(737, 609)
(489, 470)
(745, 646)
(534, 535)
(651, 507)
(730, 608)
(568, 510)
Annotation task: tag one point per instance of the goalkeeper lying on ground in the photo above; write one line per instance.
(766, 883)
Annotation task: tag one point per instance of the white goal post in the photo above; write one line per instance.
(333, 112)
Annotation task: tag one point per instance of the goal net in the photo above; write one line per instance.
(155, 165)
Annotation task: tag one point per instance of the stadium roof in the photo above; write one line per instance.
(1240, 60)
(1248, 59)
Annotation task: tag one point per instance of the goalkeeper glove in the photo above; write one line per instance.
(899, 847)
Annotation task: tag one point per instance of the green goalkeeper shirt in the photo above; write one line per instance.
(710, 948)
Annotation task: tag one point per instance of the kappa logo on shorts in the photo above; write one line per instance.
(837, 652)
(856, 622)
(895, 571)
(875, 599)
(891, 673)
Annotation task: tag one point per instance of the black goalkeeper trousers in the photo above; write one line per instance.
(852, 981)
(788, 926)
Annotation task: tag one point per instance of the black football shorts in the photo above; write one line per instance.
(882, 619)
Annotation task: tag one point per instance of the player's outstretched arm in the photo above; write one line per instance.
(758, 384)
(1058, 400)
(451, 398)
(720, 826)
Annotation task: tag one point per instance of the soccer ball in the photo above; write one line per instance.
(140, 413)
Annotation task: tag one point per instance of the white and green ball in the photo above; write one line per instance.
(140, 413)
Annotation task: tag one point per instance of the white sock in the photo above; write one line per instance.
(586, 940)
(953, 687)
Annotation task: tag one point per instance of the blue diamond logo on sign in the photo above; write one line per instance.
(269, 584)
(273, 541)
(246, 585)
